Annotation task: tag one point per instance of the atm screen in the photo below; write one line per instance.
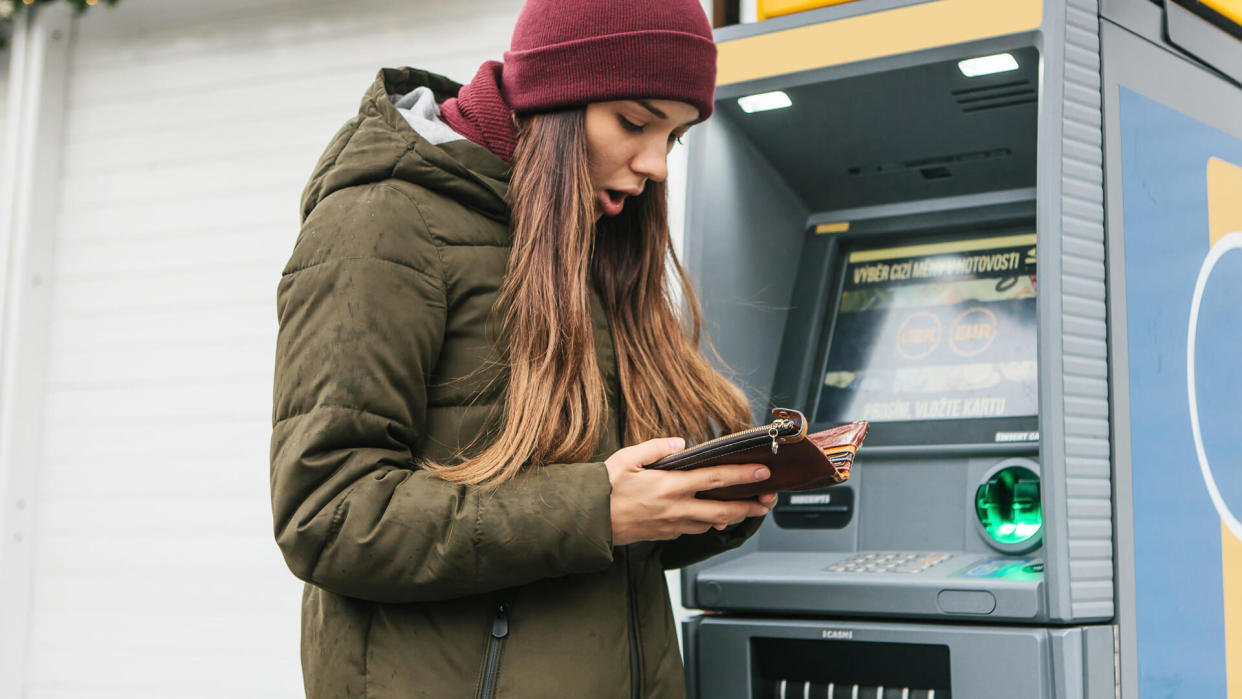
(935, 342)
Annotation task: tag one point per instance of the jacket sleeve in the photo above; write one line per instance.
(693, 548)
(362, 310)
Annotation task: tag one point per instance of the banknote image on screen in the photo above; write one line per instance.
(937, 340)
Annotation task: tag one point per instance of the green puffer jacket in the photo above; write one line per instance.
(418, 587)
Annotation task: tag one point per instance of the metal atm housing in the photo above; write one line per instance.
(890, 585)
(1109, 162)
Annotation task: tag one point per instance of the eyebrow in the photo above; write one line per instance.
(659, 114)
(647, 105)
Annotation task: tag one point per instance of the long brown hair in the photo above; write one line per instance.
(555, 405)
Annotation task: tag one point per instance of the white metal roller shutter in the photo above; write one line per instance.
(190, 130)
(4, 94)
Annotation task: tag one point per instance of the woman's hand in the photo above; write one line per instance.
(653, 505)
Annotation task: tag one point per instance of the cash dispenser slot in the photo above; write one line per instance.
(790, 668)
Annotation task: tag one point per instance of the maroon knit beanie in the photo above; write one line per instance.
(570, 52)
(567, 53)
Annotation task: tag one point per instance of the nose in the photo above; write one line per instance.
(651, 162)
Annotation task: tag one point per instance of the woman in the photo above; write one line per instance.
(475, 319)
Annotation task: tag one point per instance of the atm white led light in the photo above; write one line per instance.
(987, 65)
(764, 101)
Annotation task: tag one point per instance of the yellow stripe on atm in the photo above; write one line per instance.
(1224, 181)
(1227, 8)
(886, 33)
(1224, 185)
(1231, 568)
(837, 227)
(776, 8)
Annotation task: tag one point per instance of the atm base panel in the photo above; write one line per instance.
(729, 657)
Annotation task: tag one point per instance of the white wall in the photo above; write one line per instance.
(190, 130)
(4, 93)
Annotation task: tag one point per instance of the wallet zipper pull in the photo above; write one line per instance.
(774, 432)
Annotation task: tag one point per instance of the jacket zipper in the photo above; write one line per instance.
(636, 674)
(500, 629)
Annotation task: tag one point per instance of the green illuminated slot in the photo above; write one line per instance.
(1007, 505)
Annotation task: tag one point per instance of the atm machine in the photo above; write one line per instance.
(1009, 234)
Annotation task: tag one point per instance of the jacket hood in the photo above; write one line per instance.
(379, 144)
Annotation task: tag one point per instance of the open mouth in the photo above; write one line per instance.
(612, 201)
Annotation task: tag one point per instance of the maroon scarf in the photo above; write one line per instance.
(480, 113)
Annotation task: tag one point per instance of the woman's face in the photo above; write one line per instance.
(629, 141)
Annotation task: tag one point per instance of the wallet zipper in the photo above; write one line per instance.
(741, 441)
(772, 430)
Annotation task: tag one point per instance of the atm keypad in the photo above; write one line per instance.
(888, 562)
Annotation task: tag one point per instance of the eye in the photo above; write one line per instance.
(674, 138)
(629, 125)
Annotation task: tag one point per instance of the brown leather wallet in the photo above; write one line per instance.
(798, 461)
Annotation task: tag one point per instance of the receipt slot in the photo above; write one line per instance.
(910, 228)
(827, 508)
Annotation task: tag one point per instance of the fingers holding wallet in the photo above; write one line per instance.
(654, 505)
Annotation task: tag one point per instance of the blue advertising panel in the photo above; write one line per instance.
(1183, 270)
